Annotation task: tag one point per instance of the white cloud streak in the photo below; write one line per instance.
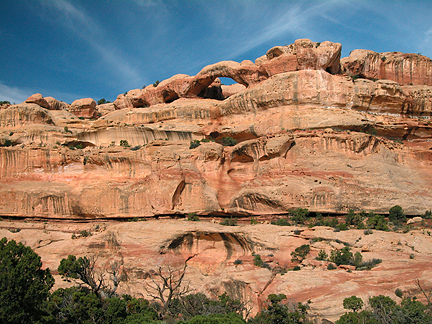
(81, 23)
(295, 21)
(148, 3)
(13, 94)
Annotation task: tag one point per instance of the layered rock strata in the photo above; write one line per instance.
(305, 136)
(221, 258)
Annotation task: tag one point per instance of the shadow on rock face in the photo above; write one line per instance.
(220, 246)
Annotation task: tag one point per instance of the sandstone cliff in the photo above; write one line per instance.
(308, 135)
(221, 258)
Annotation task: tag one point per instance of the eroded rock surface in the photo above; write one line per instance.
(221, 258)
(302, 135)
(406, 69)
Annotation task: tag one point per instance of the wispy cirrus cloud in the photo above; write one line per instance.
(149, 3)
(81, 23)
(294, 19)
(13, 94)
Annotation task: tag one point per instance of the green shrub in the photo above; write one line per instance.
(354, 219)
(353, 303)
(299, 215)
(257, 260)
(331, 266)
(228, 141)
(399, 293)
(342, 256)
(300, 253)
(367, 265)
(377, 222)
(296, 268)
(85, 233)
(281, 222)
(156, 83)
(330, 222)
(194, 144)
(253, 221)
(279, 312)
(355, 77)
(24, 285)
(6, 143)
(428, 214)
(322, 256)
(236, 262)
(397, 215)
(229, 222)
(193, 217)
(102, 101)
(342, 227)
(124, 143)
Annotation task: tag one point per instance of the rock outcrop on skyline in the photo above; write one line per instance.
(300, 128)
(406, 69)
(304, 134)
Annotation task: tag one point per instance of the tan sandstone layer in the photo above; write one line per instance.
(306, 137)
(211, 250)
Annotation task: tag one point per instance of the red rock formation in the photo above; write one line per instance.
(303, 54)
(55, 104)
(406, 69)
(305, 138)
(38, 100)
(212, 249)
(83, 108)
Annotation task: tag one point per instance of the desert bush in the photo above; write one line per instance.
(377, 222)
(228, 141)
(124, 143)
(345, 256)
(397, 215)
(193, 217)
(353, 303)
(194, 144)
(281, 222)
(6, 143)
(102, 101)
(85, 233)
(331, 266)
(300, 253)
(354, 219)
(299, 215)
(257, 260)
(399, 293)
(322, 256)
(342, 227)
(229, 222)
(367, 265)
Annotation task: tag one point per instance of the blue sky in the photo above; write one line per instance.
(71, 49)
